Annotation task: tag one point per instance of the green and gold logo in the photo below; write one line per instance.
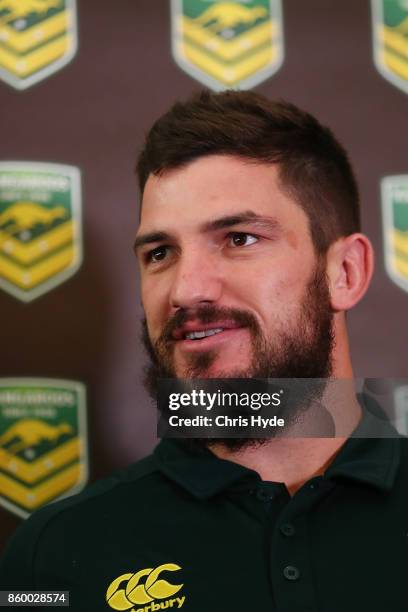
(147, 586)
(390, 36)
(228, 45)
(37, 38)
(43, 442)
(394, 190)
(40, 227)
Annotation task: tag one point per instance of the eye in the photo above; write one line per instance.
(156, 255)
(238, 239)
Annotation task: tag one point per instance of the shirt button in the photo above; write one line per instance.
(291, 572)
(264, 495)
(287, 529)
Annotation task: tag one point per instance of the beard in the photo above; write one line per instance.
(303, 350)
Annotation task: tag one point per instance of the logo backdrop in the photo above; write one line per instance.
(43, 442)
(395, 222)
(228, 44)
(390, 35)
(40, 227)
(37, 38)
(93, 115)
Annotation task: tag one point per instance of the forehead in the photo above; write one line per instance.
(214, 186)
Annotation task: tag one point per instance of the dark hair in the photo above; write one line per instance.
(313, 167)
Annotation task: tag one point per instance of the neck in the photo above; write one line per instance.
(293, 459)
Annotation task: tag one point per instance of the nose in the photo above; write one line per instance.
(197, 280)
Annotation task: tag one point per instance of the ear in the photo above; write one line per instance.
(350, 265)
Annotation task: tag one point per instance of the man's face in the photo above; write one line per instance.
(226, 252)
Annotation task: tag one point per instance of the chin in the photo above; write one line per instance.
(230, 373)
(219, 372)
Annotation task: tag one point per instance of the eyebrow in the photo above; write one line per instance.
(149, 238)
(249, 216)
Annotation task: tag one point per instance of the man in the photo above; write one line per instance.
(250, 254)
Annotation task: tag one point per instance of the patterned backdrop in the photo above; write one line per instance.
(80, 84)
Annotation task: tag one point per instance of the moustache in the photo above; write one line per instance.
(207, 314)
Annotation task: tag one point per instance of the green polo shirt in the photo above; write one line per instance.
(186, 530)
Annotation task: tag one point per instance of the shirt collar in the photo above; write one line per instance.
(372, 453)
(201, 472)
(370, 456)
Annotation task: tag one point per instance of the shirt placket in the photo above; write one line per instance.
(291, 574)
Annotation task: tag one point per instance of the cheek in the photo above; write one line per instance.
(275, 295)
(149, 301)
(155, 304)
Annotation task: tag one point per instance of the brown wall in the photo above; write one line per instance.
(93, 114)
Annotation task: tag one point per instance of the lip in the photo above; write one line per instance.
(192, 326)
(211, 342)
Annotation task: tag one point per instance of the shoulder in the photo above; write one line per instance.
(128, 483)
(403, 445)
(95, 509)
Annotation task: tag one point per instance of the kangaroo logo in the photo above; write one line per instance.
(28, 433)
(394, 192)
(390, 38)
(21, 8)
(23, 216)
(229, 14)
(228, 44)
(40, 227)
(37, 37)
(43, 442)
(128, 589)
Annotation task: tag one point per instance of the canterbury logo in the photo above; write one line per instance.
(127, 590)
